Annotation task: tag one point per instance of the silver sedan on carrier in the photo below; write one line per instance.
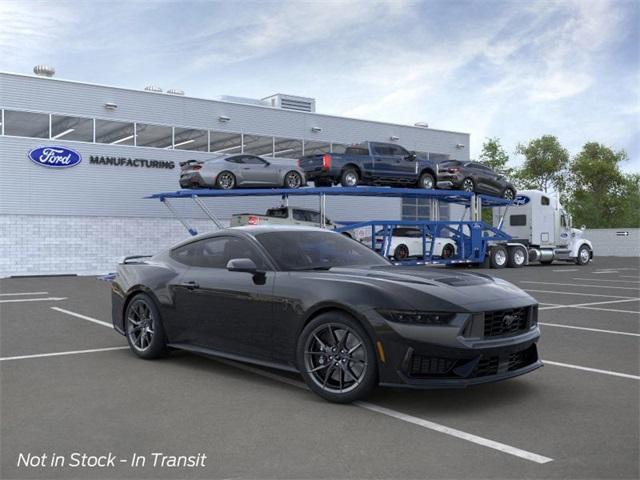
(241, 170)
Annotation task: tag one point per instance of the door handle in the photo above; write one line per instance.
(246, 168)
(190, 285)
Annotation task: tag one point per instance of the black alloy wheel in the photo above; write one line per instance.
(336, 358)
(293, 179)
(145, 334)
(427, 181)
(509, 194)
(468, 185)
(226, 180)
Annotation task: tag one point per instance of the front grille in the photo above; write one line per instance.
(487, 366)
(506, 322)
(421, 366)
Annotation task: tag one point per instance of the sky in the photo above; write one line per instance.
(514, 70)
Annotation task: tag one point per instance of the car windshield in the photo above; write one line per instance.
(313, 250)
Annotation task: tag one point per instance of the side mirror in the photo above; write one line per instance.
(245, 265)
(412, 156)
(266, 164)
(583, 228)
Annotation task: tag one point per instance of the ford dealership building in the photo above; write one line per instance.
(77, 160)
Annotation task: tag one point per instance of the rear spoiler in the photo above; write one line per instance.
(188, 162)
(134, 257)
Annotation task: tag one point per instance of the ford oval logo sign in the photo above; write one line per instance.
(55, 157)
(521, 200)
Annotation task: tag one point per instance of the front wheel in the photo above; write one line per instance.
(143, 327)
(509, 194)
(426, 181)
(226, 180)
(293, 179)
(468, 185)
(336, 358)
(584, 255)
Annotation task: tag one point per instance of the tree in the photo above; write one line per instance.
(545, 164)
(600, 195)
(495, 157)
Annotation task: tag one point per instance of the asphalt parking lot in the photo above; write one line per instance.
(69, 384)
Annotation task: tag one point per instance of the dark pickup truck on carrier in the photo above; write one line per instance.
(371, 163)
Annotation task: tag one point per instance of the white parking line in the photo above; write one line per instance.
(580, 285)
(23, 293)
(598, 330)
(632, 312)
(595, 370)
(605, 280)
(567, 270)
(48, 299)
(628, 276)
(485, 442)
(58, 354)
(84, 317)
(605, 272)
(576, 293)
(579, 305)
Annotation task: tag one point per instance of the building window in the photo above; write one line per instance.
(157, 136)
(225, 142)
(114, 133)
(258, 145)
(287, 148)
(71, 128)
(315, 148)
(26, 124)
(190, 139)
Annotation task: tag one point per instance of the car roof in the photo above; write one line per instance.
(251, 230)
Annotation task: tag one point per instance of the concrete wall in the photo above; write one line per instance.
(609, 242)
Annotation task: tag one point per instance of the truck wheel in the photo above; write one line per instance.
(498, 257)
(509, 194)
(426, 181)
(349, 178)
(517, 257)
(401, 252)
(468, 185)
(584, 255)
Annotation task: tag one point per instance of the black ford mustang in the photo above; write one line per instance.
(317, 302)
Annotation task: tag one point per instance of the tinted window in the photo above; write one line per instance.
(299, 215)
(544, 201)
(251, 160)
(278, 212)
(234, 160)
(398, 151)
(305, 250)
(518, 220)
(216, 252)
(357, 151)
(383, 150)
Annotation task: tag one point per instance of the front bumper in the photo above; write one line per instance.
(456, 356)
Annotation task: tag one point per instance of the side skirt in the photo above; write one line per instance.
(231, 356)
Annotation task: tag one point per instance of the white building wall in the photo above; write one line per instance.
(612, 242)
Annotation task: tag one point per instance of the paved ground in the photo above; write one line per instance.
(580, 411)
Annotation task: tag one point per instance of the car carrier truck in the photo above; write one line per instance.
(540, 231)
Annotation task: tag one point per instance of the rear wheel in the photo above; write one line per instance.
(349, 178)
(498, 257)
(226, 180)
(293, 179)
(401, 252)
(448, 251)
(468, 185)
(427, 181)
(509, 194)
(336, 358)
(143, 327)
(517, 257)
(584, 255)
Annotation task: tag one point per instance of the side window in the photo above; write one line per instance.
(299, 215)
(518, 220)
(544, 201)
(216, 252)
(237, 159)
(278, 212)
(563, 220)
(313, 216)
(251, 160)
(398, 151)
(380, 149)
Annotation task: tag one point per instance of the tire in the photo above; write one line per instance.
(448, 251)
(292, 180)
(508, 194)
(546, 262)
(584, 255)
(427, 181)
(349, 177)
(401, 252)
(321, 342)
(226, 180)
(517, 257)
(142, 314)
(498, 257)
(468, 185)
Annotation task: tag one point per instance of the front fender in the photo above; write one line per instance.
(579, 243)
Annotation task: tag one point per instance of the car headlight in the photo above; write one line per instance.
(422, 318)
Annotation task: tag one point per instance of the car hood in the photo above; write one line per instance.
(434, 288)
